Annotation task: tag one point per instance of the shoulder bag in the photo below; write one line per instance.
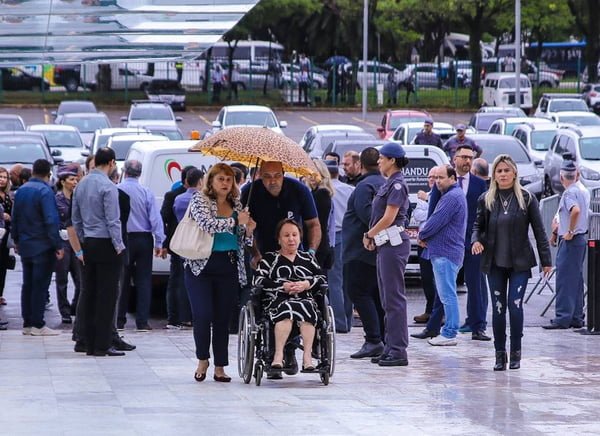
(189, 240)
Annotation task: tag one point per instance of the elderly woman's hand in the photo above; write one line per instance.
(243, 217)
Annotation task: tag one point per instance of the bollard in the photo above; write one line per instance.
(593, 279)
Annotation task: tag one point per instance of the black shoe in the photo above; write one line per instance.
(500, 361)
(425, 334)
(368, 350)
(274, 375)
(121, 345)
(67, 320)
(3, 322)
(376, 359)
(290, 366)
(393, 361)
(554, 326)
(110, 352)
(80, 347)
(480, 336)
(515, 359)
(4, 326)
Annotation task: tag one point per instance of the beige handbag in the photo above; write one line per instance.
(189, 240)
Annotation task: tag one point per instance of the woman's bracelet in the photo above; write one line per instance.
(79, 253)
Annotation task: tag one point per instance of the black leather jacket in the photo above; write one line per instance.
(522, 253)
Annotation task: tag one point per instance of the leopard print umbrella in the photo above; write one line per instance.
(250, 145)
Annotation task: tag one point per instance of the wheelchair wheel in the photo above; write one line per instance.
(325, 378)
(258, 373)
(330, 342)
(246, 343)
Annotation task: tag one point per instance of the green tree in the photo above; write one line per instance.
(587, 20)
(478, 16)
(543, 20)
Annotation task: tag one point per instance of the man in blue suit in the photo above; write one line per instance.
(477, 298)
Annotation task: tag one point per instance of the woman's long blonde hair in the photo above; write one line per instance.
(325, 181)
(490, 196)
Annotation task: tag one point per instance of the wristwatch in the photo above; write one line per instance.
(571, 232)
(366, 235)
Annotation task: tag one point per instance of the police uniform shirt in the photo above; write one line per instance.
(574, 195)
(393, 192)
(295, 201)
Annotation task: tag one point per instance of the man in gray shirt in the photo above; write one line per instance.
(96, 220)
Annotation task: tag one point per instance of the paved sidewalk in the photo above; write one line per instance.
(46, 388)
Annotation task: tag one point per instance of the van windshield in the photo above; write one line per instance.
(510, 82)
(590, 148)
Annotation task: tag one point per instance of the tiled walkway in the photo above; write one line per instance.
(47, 389)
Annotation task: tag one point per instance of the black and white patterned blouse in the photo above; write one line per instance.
(274, 270)
(204, 211)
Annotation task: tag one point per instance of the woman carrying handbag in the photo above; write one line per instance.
(212, 283)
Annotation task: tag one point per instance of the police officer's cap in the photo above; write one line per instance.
(391, 149)
(568, 165)
(428, 121)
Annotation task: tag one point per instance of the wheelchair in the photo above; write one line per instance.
(256, 339)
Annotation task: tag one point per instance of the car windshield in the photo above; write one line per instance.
(73, 107)
(510, 82)
(9, 125)
(87, 124)
(151, 113)
(509, 145)
(412, 133)
(395, 121)
(540, 141)
(173, 135)
(63, 139)
(484, 121)
(121, 148)
(567, 105)
(589, 148)
(264, 119)
(510, 128)
(581, 121)
(23, 152)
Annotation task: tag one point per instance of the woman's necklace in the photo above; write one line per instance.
(506, 201)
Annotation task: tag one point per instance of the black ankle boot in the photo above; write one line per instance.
(515, 359)
(500, 361)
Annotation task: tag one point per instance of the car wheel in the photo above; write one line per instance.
(546, 85)
(547, 192)
(72, 85)
(144, 86)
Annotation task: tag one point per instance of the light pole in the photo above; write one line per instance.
(365, 50)
(518, 52)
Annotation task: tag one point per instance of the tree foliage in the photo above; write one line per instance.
(587, 15)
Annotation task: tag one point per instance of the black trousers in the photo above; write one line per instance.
(360, 279)
(99, 294)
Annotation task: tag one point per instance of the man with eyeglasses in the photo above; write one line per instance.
(477, 300)
(427, 137)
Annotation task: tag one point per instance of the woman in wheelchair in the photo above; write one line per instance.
(289, 279)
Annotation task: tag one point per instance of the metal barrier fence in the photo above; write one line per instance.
(425, 84)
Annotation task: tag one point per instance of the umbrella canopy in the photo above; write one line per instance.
(249, 145)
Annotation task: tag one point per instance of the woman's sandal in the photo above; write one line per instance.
(202, 376)
(222, 378)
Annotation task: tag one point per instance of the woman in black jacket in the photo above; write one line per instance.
(501, 235)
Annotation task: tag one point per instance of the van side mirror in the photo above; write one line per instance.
(56, 153)
(283, 124)
(216, 124)
(85, 153)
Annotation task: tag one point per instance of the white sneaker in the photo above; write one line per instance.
(173, 327)
(26, 331)
(44, 331)
(442, 341)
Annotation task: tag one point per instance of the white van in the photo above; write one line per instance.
(499, 90)
(162, 162)
(122, 76)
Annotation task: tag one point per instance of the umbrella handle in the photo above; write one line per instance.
(252, 184)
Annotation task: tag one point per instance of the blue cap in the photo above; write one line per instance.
(568, 165)
(428, 121)
(461, 127)
(391, 149)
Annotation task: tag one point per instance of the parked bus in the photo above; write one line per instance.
(566, 56)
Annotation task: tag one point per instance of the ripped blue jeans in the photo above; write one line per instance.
(507, 288)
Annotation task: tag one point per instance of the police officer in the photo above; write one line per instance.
(427, 137)
(570, 234)
(388, 216)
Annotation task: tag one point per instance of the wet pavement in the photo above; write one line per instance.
(46, 388)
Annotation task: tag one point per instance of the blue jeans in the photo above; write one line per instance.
(337, 299)
(512, 297)
(37, 273)
(445, 273)
(569, 281)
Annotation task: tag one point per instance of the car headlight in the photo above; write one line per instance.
(532, 178)
(589, 174)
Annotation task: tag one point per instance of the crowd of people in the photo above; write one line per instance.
(293, 238)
